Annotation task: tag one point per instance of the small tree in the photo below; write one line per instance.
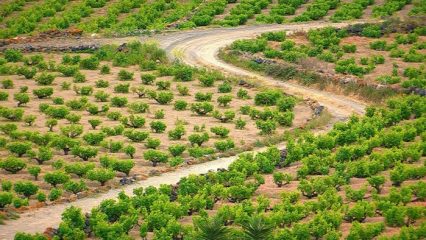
(45, 79)
(101, 175)
(158, 126)
(19, 148)
(376, 182)
(220, 131)
(281, 178)
(56, 177)
(130, 151)
(78, 168)
(50, 123)
(177, 133)
(224, 117)
(21, 98)
(85, 153)
(75, 187)
(198, 139)
(202, 108)
(72, 130)
(5, 199)
(176, 149)
(152, 143)
(134, 121)
(224, 100)
(123, 166)
(266, 127)
(30, 119)
(44, 92)
(64, 143)
(155, 156)
(94, 123)
(13, 164)
(42, 155)
(25, 188)
(34, 171)
(147, 79)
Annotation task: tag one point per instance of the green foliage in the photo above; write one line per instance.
(25, 188)
(100, 175)
(155, 156)
(56, 177)
(198, 138)
(13, 164)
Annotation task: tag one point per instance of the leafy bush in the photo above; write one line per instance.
(250, 45)
(124, 75)
(13, 164)
(158, 126)
(56, 177)
(198, 139)
(180, 105)
(266, 126)
(25, 188)
(100, 175)
(21, 98)
(90, 63)
(268, 97)
(176, 149)
(147, 78)
(177, 133)
(44, 92)
(202, 108)
(224, 145)
(155, 156)
(45, 79)
(220, 131)
(85, 153)
(224, 100)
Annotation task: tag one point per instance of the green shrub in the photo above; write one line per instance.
(198, 139)
(90, 63)
(266, 126)
(225, 87)
(224, 145)
(180, 105)
(13, 55)
(158, 126)
(177, 133)
(220, 131)
(147, 78)
(100, 175)
(155, 156)
(119, 101)
(224, 100)
(124, 75)
(349, 48)
(44, 92)
(21, 98)
(4, 96)
(13, 164)
(202, 108)
(25, 188)
(56, 177)
(152, 143)
(176, 149)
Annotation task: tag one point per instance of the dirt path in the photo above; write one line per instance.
(201, 49)
(198, 48)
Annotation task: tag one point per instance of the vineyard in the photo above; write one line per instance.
(212, 120)
(129, 17)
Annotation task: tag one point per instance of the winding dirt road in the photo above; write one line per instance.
(197, 48)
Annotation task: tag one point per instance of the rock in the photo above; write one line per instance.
(347, 80)
(82, 195)
(318, 110)
(50, 232)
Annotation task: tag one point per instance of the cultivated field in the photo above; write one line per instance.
(212, 120)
